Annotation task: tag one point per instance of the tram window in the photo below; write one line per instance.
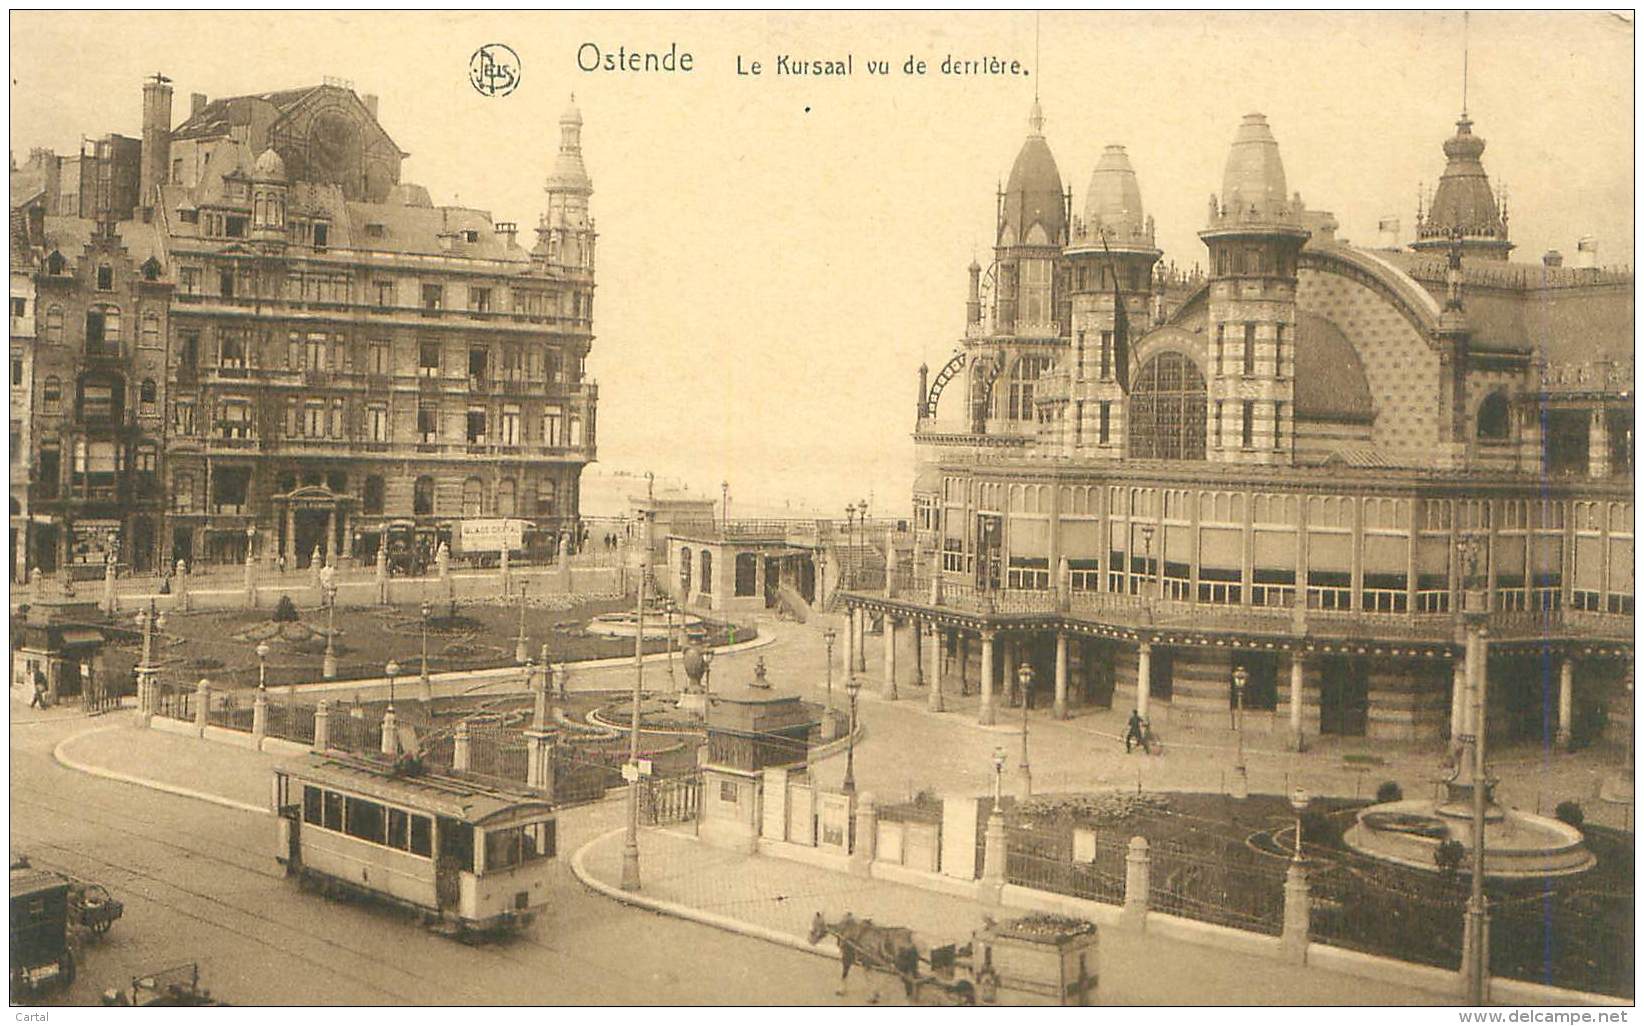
(399, 824)
(365, 820)
(502, 848)
(311, 806)
(539, 841)
(457, 841)
(422, 836)
(333, 811)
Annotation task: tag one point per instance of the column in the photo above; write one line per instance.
(1297, 908)
(1138, 883)
(850, 642)
(890, 657)
(936, 653)
(984, 712)
(1298, 669)
(1010, 670)
(330, 546)
(290, 546)
(1060, 709)
(1458, 700)
(1144, 676)
(917, 629)
(1566, 699)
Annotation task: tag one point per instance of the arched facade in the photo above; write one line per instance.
(1167, 409)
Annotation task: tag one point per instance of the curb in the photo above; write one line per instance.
(824, 949)
(64, 760)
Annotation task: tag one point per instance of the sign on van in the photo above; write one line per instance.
(492, 535)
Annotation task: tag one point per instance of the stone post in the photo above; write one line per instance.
(1298, 670)
(250, 579)
(322, 726)
(1566, 700)
(259, 717)
(567, 584)
(390, 733)
(179, 586)
(1138, 880)
(202, 706)
(993, 858)
(890, 657)
(111, 604)
(936, 658)
(867, 834)
(503, 574)
(316, 563)
(460, 747)
(1060, 708)
(1297, 907)
(984, 710)
(1064, 583)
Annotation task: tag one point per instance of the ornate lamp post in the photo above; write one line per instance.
(427, 684)
(1241, 783)
(850, 541)
(853, 687)
(1147, 561)
(1024, 677)
(630, 847)
(828, 637)
(998, 778)
(152, 621)
(724, 506)
(262, 666)
(1299, 799)
(329, 664)
(521, 653)
(392, 670)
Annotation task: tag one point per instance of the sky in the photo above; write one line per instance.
(778, 254)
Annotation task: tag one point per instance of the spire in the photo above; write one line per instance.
(1036, 117)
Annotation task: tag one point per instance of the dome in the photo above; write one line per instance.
(1033, 193)
(269, 167)
(1330, 380)
(1113, 203)
(1254, 177)
(569, 174)
(572, 115)
(1464, 201)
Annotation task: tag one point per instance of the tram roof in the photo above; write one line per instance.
(441, 795)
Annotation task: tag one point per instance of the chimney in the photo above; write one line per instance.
(1552, 258)
(156, 156)
(370, 101)
(507, 229)
(196, 103)
(1387, 233)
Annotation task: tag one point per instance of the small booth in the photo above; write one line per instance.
(68, 656)
(750, 729)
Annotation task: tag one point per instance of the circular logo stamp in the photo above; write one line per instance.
(494, 69)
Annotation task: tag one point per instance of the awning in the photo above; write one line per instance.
(82, 636)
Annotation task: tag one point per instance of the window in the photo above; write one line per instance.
(1218, 423)
(54, 324)
(225, 283)
(1248, 432)
(52, 394)
(1036, 292)
(1494, 418)
(97, 400)
(377, 417)
(379, 356)
(236, 226)
(146, 393)
(473, 497)
(150, 338)
(50, 470)
(314, 351)
(706, 584)
(433, 297)
(16, 372)
(510, 425)
(182, 417)
(1107, 355)
(574, 435)
(1278, 350)
(747, 573)
(1249, 351)
(313, 419)
(232, 350)
(372, 501)
(236, 419)
(376, 230)
(384, 293)
(479, 299)
(1167, 410)
(103, 331)
(428, 423)
(553, 422)
(428, 359)
(322, 234)
(728, 791)
(476, 425)
(19, 306)
(188, 280)
(422, 496)
(313, 806)
(105, 278)
(1278, 419)
(422, 836)
(1105, 422)
(1023, 378)
(367, 821)
(333, 811)
(506, 504)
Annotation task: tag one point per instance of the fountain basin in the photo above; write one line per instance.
(626, 625)
(1517, 845)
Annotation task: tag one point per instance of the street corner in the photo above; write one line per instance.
(128, 753)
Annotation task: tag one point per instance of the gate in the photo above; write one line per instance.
(99, 697)
(670, 800)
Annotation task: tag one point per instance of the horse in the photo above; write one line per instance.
(887, 948)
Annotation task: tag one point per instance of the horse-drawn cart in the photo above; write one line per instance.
(91, 907)
(1034, 959)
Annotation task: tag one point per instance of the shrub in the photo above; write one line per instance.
(1448, 855)
(1389, 791)
(1319, 828)
(285, 610)
(1570, 813)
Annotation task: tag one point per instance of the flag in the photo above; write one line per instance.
(1121, 327)
(1389, 225)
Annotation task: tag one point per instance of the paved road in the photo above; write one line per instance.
(199, 883)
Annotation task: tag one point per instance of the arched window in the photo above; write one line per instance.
(1167, 410)
(54, 323)
(422, 496)
(473, 497)
(1023, 377)
(684, 573)
(545, 498)
(146, 393)
(1494, 418)
(707, 582)
(505, 497)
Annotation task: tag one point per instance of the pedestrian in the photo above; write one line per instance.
(1133, 732)
(39, 699)
(282, 563)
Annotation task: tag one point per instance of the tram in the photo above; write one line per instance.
(467, 857)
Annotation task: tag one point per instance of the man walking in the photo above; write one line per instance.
(1133, 733)
(39, 699)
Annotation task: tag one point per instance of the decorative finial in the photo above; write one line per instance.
(1036, 117)
(1465, 21)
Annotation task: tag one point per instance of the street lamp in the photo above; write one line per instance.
(1147, 560)
(707, 669)
(427, 683)
(1299, 799)
(630, 847)
(1241, 677)
(521, 653)
(392, 670)
(1024, 677)
(853, 687)
(152, 621)
(850, 540)
(724, 505)
(262, 666)
(998, 778)
(828, 637)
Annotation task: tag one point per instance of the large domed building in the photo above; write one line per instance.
(1312, 468)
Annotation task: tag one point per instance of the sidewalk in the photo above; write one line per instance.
(117, 747)
(774, 899)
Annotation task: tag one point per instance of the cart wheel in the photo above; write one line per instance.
(964, 993)
(101, 926)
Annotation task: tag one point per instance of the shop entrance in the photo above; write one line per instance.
(1344, 695)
